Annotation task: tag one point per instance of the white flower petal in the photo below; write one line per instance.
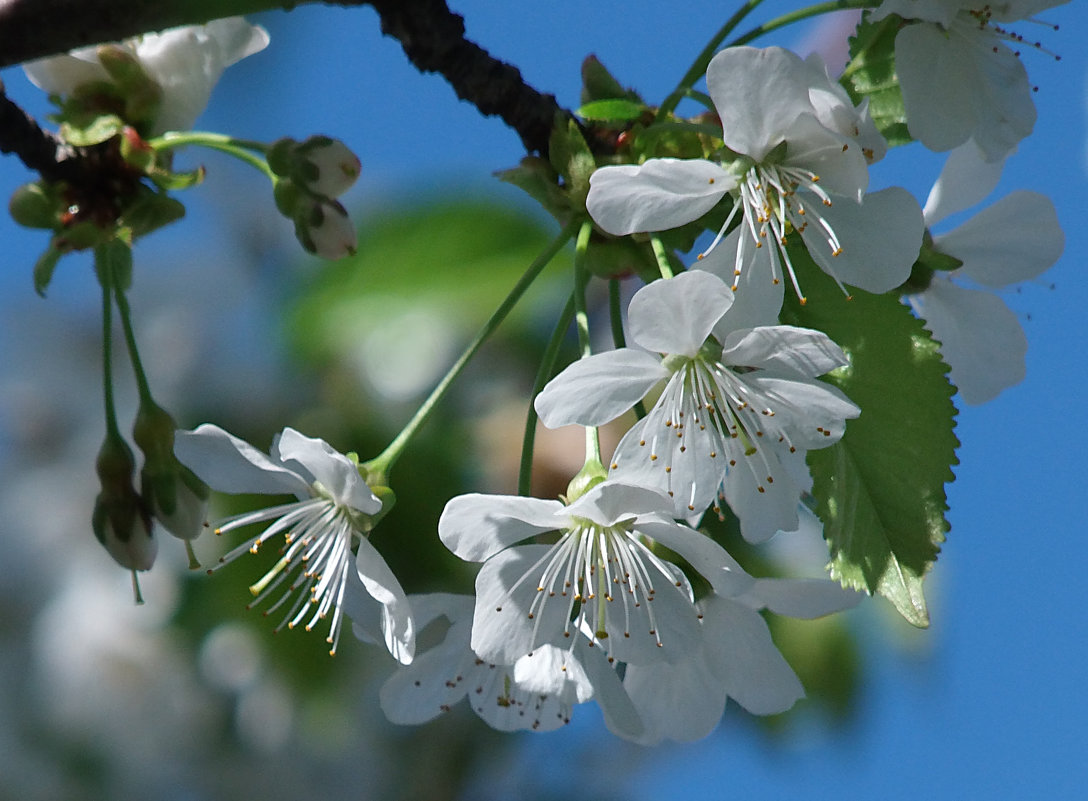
(502, 631)
(1013, 240)
(427, 687)
(880, 239)
(228, 464)
(682, 701)
(758, 297)
(676, 315)
(592, 391)
(655, 196)
(763, 514)
(610, 502)
(711, 560)
(801, 350)
(745, 659)
(397, 623)
(965, 181)
(334, 471)
(801, 598)
(758, 93)
(981, 339)
(476, 526)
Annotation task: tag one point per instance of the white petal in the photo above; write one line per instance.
(397, 623)
(655, 196)
(334, 471)
(592, 391)
(981, 339)
(802, 350)
(424, 689)
(611, 501)
(880, 239)
(742, 653)
(837, 160)
(814, 413)
(801, 598)
(228, 464)
(676, 315)
(1013, 240)
(620, 714)
(477, 526)
(502, 631)
(711, 560)
(962, 83)
(758, 93)
(682, 701)
(428, 607)
(762, 514)
(188, 61)
(757, 298)
(63, 74)
(965, 180)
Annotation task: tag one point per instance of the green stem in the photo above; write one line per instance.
(378, 468)
(107, 358)
(797, 16)
(662, 256)
(618, 339)
(133, 352)
(239, 148)
(698, 67)
(581, 281)
(543, 375)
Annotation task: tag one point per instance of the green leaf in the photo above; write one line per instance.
(880, 490)
(536, 177)
(571, 158)
(871, 74)
(612, 110)
(43, 269)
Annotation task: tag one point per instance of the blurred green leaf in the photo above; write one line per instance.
(871, 74)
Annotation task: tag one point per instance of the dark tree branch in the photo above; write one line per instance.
(39, 150)
(433, 38)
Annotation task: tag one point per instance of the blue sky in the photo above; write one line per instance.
(990, 702)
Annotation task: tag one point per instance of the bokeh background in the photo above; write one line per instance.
(191, 697)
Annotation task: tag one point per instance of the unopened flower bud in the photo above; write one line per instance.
(324, 228)
(176, 497)
(35, 206)
(120, 520)
(328, 167)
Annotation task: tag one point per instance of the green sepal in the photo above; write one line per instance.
(599, 84)
(611, 110)
(150, 211)
(142, 95)
(94, 131)
(113, 263)
(880, 490)
(871, 74)
(44, 267)
(536, 178)
(281, 156)
(173, 181)
(572, 159)
(622, 257)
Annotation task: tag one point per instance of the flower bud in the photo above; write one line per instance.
(324, 228)
(327, 166)
(35, 205)
(120, 520)
(176, 497)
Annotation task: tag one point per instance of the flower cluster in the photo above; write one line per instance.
(617, 592)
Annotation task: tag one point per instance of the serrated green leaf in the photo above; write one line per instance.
(871, 74)
(880, 490)
(612, 110)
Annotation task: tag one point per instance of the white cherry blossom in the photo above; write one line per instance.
(958, 78)
(600, 579)
(186, 63)
(1015, 239)
(735, 415)
(538, 692)
(801, 165)
(320, 531)
(737, 659)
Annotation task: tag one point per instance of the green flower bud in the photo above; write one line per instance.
(36, 205)
(120, 520)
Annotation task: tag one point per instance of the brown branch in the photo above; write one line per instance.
(433, 38)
